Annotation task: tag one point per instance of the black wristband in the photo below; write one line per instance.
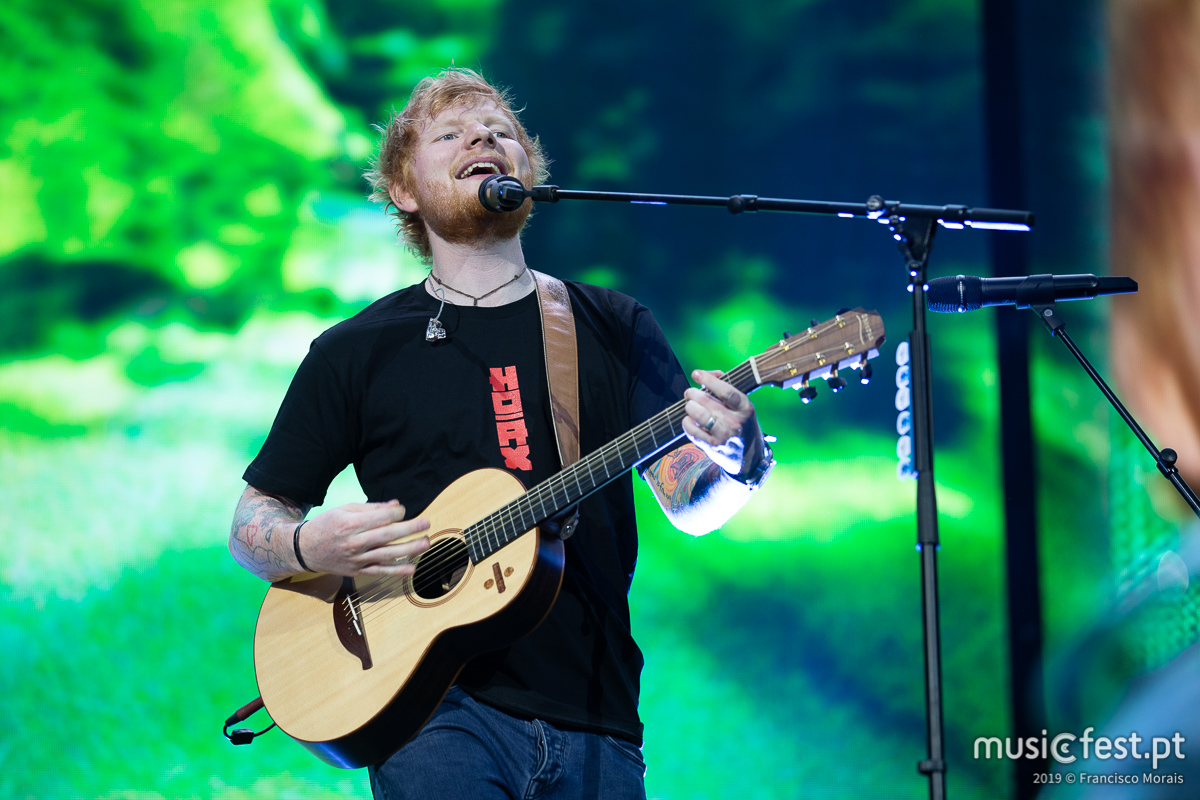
(296, 547)
(761, 470)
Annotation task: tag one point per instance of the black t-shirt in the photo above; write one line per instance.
(413, 416)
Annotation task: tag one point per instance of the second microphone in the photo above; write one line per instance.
(969, 293)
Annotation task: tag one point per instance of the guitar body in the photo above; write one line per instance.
(353, 668)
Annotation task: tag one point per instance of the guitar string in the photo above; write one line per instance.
(511, 518)
(511, 528)
(506, 518)
(488, 526)
(639, 437)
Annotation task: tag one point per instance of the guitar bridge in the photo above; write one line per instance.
(349, 624)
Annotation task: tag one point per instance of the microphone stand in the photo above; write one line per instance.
(915, 239)
(913, 228)
(1166, 458)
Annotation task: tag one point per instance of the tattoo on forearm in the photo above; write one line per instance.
(255, 521)
(681, 463)
(683, 475)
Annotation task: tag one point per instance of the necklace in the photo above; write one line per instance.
(475, 300)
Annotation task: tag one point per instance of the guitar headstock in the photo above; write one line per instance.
(848, 341)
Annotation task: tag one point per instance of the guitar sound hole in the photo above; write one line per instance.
(440, 568)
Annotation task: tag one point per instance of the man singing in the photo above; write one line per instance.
(556, 713)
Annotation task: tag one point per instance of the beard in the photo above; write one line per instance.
(457, 217)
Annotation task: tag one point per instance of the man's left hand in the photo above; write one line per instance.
(721, 422)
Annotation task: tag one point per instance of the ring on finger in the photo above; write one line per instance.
(708, 426)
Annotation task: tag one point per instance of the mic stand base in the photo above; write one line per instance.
(1166, 458)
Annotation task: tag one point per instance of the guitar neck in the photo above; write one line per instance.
(656, 435)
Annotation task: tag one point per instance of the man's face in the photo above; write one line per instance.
(453, 154)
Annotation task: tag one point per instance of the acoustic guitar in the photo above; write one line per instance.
(352, 668)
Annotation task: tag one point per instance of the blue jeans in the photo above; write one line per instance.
(470, 751)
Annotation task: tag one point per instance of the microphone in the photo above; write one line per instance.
(969, 293)
(501, 193)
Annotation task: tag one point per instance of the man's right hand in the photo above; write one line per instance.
(354, 539)
(360, 539)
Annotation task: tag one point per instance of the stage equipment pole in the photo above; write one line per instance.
(913, 227)
(914, 237)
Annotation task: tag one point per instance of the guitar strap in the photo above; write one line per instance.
(562, 371)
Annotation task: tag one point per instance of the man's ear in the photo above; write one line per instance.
(402, 198)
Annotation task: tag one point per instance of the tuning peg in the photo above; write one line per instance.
(836, 382)
(787, 334)
(865, 375)
(842, 311)
(814, 322)
(807, 393)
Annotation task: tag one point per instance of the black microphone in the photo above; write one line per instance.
(502, 193)
(969, 293)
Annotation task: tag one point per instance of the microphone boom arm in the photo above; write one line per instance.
(503, 193)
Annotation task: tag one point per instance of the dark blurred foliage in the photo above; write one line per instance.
(141, 140)
(369, 54)
(36, 295)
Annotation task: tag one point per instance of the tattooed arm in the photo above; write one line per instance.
(694, 483)
(695, 494)
(261, 536)
(354, 539)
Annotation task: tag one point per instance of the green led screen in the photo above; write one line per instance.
(183, 212)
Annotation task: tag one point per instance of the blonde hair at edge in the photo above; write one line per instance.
(1154, 141)
(432, 96)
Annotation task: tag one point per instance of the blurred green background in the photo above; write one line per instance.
(183, 211)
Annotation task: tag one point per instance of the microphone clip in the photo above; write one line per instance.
(1048, 314)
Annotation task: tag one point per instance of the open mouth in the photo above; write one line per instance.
(486, 166)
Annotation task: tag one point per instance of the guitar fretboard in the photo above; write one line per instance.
(554, 495)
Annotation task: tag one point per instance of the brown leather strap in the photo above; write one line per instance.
(562, 363)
